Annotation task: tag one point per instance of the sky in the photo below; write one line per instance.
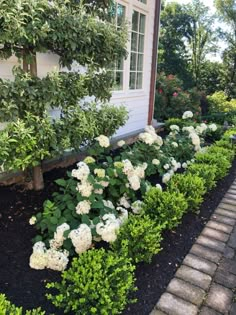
(210, 4)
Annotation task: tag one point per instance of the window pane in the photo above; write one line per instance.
(139, 82)
(132, 80)
(142, 23)
(140, 62)
(134, 42)
(119, 81)
(141, 44)
(135, 21)
(120, 14)
(133, 61)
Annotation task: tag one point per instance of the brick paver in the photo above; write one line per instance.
(205, 283)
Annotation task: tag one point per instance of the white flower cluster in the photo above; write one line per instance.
(200, 129)
(150, 137)
(134, 174)
(174, 128)
(172, 167)
(137, 206)
(121, 143)
(187, 114)
(212, 127)
(193, 135)
(42, 258)
(59, 238)
(124, 202)
(83, 207)
(108, 228)
(103, 141)
(81, 238)
(82, 172)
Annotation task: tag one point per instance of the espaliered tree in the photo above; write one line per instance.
(77, 31)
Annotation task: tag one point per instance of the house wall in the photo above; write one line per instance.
(136, 101)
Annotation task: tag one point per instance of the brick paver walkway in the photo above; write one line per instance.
(205, 283)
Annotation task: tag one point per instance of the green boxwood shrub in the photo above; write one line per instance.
(98, 282)
(220, 161)
(205, 171)
(191, 186)
(143, 237)
(228, 153)
(166, 208)
(7, 308)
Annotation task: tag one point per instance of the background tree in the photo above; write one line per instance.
(227, 12)
(77, 32)
(173, 57)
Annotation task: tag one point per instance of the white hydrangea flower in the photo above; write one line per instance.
(98, 191)
(212, 127)
(189, 129)
(100, 172)
(38, 259)
(184, 165)
(155, 162)
(146, 138)
(128, 168)
(174, 128)
(89, 160)
(85, 189)
(124, 202)
(166, 166)
(121, 143)
(82, 172)
(187, 114)
(159, 187)
(108, 204)
(83, 207)
(59, 238)
(81, 238)
(104, 183)
(108, 231)
(123, 216)
(165, 178)
(57, 260)
(175, 144)
(134, 182)
(32, 220)
(103, 141)
(137, 206)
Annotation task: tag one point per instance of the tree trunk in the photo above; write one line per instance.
(38, 181)
(38, 178)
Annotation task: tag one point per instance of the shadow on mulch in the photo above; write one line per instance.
(26, 287)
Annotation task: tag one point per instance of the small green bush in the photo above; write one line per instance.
(143, 236)
(191, 186)
(224, 143)
(220, 161)
(205, 171)
(176, 121)
(166, 208)
(218, 102)
(228, 153)
(7, 308)
(98, 282)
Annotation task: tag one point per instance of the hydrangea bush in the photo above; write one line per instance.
(96, 199)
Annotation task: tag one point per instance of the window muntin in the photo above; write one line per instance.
(137, 50)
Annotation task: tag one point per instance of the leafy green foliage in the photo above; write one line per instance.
(143, 236)
(220, 161)
(218, 102)
(191, 186)
(7, 308)
(26, 143)
(98, 282)
(205, 171)
(228, 153)
(171, 100)
(166, 208)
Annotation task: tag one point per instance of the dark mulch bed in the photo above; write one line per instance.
(25, 286)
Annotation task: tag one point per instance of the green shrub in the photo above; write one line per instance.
(7, 308)
(228, 153)
(143, 236)
(220, 161)
(98, 282)
(205, 171)
(166, 208)
(191, 186)
(176, 121)
(218, 102)
(224, 143)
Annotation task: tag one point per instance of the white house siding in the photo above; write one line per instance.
(136, 101)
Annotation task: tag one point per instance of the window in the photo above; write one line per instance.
(137, 50)
(118, 66)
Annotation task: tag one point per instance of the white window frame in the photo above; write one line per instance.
(143, 9)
